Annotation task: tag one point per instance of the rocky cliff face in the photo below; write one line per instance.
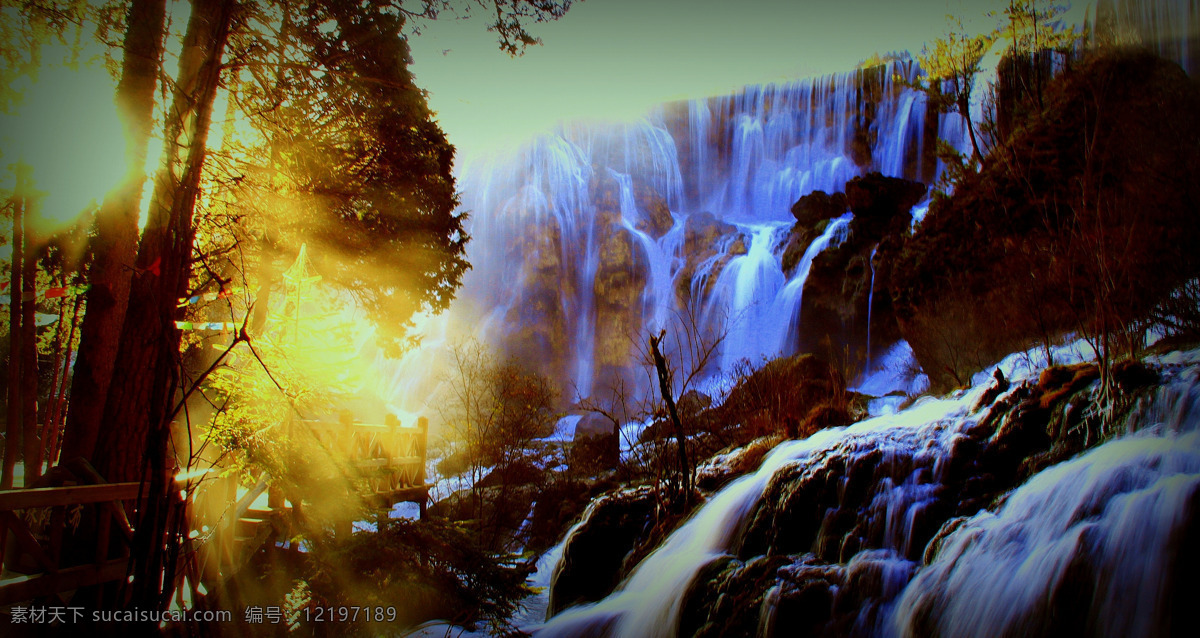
(880, 529)
(847, 312)
(536, 322)
(600, 235)
(1028, 248)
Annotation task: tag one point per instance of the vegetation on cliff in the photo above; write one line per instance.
(1081, 221)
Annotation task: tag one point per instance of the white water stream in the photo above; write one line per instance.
(1120, 505)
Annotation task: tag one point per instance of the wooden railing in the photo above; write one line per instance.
(224, 527)
(389, 457)
(33, 555)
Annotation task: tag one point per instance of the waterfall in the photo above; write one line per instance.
(1109, 521)
(551, 223)
(787, 304)
(870, 304)
(648, 604)
(1168, 27)
(740, 302)
(660, 256)
(1117, 510)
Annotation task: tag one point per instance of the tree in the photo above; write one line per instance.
(355, 164)
(142, 400)
(114, 244)
(951, 67)
(359, 68)
(1030, 30)
(664, 386)
(29, 32)
(174, 204)
(492, 412)
(13, 424)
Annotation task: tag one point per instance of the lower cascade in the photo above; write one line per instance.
(993, 512)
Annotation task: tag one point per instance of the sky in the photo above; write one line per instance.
(614, 59)
(606, 59)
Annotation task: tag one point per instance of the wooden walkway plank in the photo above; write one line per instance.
(69, 495)
(15, 590)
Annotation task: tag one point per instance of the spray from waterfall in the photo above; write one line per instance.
(1113, 516)
(870, 305)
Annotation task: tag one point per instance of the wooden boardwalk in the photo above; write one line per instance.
(227, 523)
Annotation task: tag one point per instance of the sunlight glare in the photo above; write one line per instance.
(65, 127)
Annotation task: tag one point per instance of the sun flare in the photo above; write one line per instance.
(64, 126)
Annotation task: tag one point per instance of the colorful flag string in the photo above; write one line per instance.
(49, 293)
(199, 325)
(210, 296)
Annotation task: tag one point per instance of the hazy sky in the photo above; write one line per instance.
(614, 58)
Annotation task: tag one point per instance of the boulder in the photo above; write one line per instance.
(519, 472)
(690, 403)
(783, 394)
(656, 217)
(594, 554)
(596, 446)
(818, 206)
(876, 196)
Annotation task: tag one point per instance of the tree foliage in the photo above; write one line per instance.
(951, 66)
(422, 569)
(365, 158)
(493, 409)
(347, 157)
(1077, 224)
(1029, 27)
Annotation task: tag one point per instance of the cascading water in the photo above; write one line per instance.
(649, 603)
(1168, 27)
(1106, 527)
(870, 304)
(787, 304)
(1089, 542)
(660, 256)
(600, 233)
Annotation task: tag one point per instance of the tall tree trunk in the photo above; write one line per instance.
(53, 441)
(114, 244)
(49, 409)
(664, 386)
(12, 431)
(149, 348)
(964, 109)
(143, 392)
(31, 444)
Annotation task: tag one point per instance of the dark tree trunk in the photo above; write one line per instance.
(664, 386)
(52, 440)
(144, 383)
(143, 393)
(50, 407)
(964, 109)
(114, 245)
(31, 444)
(12, 432)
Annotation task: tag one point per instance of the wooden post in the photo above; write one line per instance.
(274, 497)
(422, 439)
